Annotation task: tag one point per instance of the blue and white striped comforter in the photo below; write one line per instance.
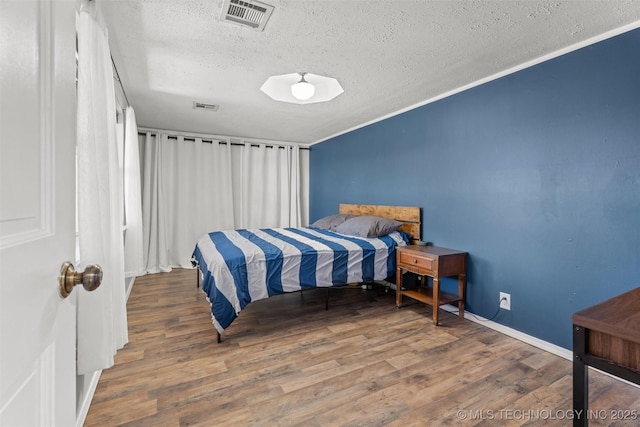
(240, 266)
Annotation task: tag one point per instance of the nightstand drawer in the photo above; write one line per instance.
(422, 262)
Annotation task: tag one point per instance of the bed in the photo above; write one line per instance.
(240, 266)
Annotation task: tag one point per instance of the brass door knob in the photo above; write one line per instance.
(90, 278)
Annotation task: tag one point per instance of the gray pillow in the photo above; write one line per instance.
(368, 226)
(331, 222)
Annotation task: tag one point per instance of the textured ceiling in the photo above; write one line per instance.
(387, 55)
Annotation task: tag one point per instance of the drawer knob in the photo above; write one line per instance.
(415, 261)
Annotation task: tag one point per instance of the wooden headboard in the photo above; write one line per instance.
(408, 215)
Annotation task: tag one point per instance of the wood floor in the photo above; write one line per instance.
(287, 362)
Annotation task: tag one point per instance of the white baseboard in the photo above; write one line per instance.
(88, 397)
(536, 342)
(129, 281)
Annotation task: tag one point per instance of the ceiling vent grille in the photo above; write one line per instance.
(208, 107)
(249, 13)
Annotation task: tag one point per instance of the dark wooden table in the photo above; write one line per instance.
(607, 337)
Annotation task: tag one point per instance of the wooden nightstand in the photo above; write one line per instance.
(434, 262)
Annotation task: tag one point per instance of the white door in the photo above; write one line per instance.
(37, 212)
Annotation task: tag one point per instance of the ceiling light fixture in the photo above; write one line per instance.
(283, 87)
(303, 90)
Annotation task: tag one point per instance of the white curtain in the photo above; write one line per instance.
(186, 193)
(294, 191)
(268, 193)
(133, 254)
(101, 314)
(191, 187)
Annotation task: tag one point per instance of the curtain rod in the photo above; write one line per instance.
(210, 141)
(117, 77)
(205, 136)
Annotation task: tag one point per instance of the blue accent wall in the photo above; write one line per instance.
(536, 175)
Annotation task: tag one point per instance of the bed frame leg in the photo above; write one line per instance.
(219, 337)
(197, 277)
(326, 301)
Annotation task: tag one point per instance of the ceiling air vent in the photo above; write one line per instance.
(247, 13)
(208, 107)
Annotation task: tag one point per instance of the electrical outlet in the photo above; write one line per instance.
(505, 301)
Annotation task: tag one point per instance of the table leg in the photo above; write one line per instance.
(436, 299)
(580, 377)
(398, 287)
(462, 288)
